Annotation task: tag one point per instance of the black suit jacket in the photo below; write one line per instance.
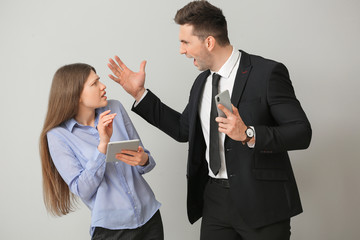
(261, 179)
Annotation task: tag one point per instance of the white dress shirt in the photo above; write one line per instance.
(228, 74)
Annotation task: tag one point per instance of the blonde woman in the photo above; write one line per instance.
(80, 122)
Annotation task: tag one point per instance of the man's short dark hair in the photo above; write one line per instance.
(206, 19)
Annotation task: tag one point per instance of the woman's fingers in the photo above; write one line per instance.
(133, 158)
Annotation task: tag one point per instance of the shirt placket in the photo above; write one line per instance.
(129, 192)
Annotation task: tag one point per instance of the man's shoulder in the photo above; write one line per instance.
(201, 78)
(203, 74)
(257, 59)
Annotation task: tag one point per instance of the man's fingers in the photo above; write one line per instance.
(120, 63)
(116, 68)
(113, 78)
(111, 66)
(235, 110)
(142, 66)
(221, 120)
(117, 73)
(116, 78)
(227, 112)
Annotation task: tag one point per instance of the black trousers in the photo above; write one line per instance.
(220, 221)
(152, 230)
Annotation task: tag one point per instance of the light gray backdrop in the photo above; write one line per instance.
(318, 40)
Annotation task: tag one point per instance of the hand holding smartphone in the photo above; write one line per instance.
(223, 98)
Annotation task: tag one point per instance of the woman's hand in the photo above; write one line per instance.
(133, 158)
(105, 129)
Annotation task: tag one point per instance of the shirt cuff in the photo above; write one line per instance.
(148, 167)
(142, 97)
(248, 143)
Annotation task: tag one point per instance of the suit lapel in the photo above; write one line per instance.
(193, 106)
(195, 96)
(198, 89)
(241, 78)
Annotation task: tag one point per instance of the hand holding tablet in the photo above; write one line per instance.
(115, 147)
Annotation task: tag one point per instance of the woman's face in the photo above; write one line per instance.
(93, 94)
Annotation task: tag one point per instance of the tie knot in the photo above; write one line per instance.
(215, 79)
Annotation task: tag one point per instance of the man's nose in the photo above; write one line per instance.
(182, 50)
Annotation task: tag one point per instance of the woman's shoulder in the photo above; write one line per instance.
(59, 132)
(114, 103)
(115, 106)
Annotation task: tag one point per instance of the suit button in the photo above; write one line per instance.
(228, 149)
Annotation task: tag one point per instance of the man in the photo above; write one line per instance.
(240, 179)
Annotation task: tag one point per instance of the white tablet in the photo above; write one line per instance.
(115, 147)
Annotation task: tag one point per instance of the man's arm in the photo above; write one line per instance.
(150, 107)
(293, 130)
(173, 123)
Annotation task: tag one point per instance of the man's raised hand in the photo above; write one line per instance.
(132, 82)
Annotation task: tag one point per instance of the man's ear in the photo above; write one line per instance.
(210, 42)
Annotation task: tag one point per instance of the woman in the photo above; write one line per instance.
(80, 122)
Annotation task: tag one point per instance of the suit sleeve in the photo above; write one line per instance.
(171, 122)
(292, 130)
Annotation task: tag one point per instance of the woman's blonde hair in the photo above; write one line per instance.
(67, 85)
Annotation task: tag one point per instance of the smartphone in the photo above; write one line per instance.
(223, 98)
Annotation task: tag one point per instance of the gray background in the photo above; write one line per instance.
(317, 40)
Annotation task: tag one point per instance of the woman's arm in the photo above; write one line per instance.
(83, 181)
(145, 165)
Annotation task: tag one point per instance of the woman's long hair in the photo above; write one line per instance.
(67, 85)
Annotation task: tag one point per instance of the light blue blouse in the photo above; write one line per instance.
(116, 193)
